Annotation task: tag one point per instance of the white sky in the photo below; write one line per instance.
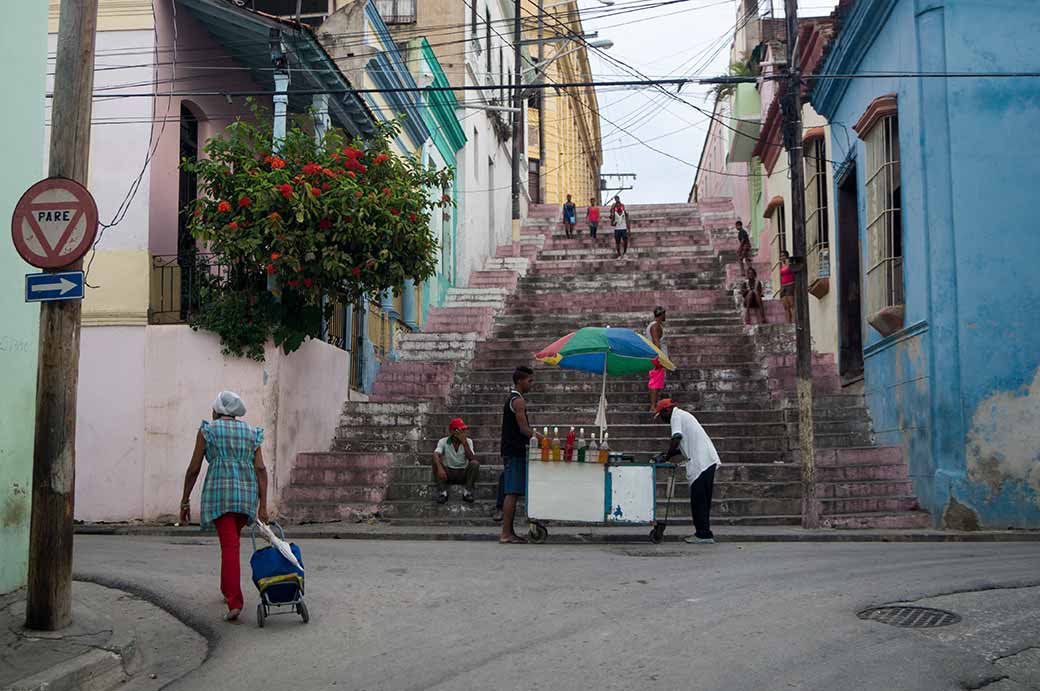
(685, 39)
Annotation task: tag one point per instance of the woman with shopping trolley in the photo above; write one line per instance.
(234, 493)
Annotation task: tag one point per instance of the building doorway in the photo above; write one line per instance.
(850, 310)
(534, 181)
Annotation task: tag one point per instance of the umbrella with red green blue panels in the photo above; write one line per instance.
(605, 351)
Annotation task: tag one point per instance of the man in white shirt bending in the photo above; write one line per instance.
(690, 441)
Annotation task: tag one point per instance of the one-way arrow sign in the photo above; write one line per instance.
(65, 285)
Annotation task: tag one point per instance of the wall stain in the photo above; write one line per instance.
(15, 511)
(1003, 443)
(957, 516)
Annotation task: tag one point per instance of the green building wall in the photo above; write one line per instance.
(23, 43)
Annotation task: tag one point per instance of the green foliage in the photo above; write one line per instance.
(321, 221)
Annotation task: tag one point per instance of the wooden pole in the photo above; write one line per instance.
(49, 598)
(804, 380)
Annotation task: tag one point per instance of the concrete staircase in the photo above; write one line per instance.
(738, 380)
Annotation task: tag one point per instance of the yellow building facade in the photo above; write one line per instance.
(569, 159)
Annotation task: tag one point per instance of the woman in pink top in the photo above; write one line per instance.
(787, 285)
(593, 216)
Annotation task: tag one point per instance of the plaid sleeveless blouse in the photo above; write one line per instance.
(230, 485)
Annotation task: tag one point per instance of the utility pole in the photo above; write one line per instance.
(541, 101)
(49, 597)
(792, 106)
(518, 138)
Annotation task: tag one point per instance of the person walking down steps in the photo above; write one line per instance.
(570, 216)
(234, 493)
(619, 219)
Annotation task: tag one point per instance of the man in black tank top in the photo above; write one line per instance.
(516, 436)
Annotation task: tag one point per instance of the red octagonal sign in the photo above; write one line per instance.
(54, 223)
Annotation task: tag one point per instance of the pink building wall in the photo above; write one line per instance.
(144, 392)
(718, 179)
(196, 51)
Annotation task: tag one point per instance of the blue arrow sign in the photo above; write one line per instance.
(64, 285)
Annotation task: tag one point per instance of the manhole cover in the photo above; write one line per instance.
(910, 617)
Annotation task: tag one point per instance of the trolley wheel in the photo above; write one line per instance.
(539, 533)
(260, 615)
(657, 533)
(301, 609)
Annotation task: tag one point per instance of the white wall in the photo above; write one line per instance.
(478, 238)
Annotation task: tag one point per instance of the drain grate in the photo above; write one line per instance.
(910, 617)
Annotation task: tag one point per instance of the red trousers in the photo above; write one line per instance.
(229, 527)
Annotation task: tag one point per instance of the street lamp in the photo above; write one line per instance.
(603, 43)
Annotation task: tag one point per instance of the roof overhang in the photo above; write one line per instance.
(245, 35)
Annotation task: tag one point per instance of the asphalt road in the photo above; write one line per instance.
(420, 615)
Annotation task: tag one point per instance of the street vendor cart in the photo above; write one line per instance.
(614, 493)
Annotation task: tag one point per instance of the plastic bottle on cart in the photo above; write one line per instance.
(582, 446)
(604, 448)
(592, 455)
(556, 444)
(545, 444)
(534, 453)
(568, 448)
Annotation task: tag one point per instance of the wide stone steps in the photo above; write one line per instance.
(739, 381)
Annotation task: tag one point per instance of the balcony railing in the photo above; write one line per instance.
(177, 285)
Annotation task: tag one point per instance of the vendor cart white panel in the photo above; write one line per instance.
(559, 491)
(631, 494)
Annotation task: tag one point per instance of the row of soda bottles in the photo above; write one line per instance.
(574, 448)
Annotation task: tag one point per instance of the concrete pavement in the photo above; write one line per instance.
(116, 640)
(418, 615)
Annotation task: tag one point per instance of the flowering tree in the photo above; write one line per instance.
(328, 220)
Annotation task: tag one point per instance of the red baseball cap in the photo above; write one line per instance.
(663, 405)
(456, 425)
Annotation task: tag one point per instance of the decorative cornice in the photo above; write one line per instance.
(771, 206)
(860, 28)
(813, 133)
(880, 107)
(768, 146)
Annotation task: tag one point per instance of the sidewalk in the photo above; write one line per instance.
(116, 640)
(384, 530)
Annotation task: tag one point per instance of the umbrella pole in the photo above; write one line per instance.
(603, 399)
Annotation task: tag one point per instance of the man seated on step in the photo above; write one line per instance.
(455, 463)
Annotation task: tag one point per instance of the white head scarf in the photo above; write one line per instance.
(230, 404)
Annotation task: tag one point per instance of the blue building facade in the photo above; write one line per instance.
(936, 242)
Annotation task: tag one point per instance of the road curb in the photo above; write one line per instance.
(571, 535)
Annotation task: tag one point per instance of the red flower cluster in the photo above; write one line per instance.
(275, 256)
(286, 190)
(224, 207)
(277, 163)
(315, 192)
(380, 159)
(244, 202)
(312, 169)
(351, 152)
(413, 218)
(232, 226)
(387, 191)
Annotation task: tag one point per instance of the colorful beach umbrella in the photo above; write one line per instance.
(605, 351)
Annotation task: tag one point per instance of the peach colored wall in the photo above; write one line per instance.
(145, 390)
